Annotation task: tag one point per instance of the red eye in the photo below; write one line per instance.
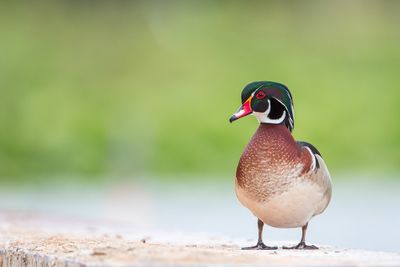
(260, 95)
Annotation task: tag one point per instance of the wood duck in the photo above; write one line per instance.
(283, 182)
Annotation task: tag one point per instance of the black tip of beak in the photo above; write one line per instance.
(233, 118)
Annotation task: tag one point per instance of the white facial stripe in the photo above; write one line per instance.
(277, 121)
(268, 109)
(262, 117)
(290, 118)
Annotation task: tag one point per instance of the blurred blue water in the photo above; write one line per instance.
(362, 214)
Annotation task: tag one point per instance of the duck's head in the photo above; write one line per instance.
(270, 102)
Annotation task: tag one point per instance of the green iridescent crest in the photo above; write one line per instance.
(274, 90)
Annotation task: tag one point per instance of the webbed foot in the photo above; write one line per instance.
(302, 245)
(260, 246)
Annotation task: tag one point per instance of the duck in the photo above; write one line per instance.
(283, 182)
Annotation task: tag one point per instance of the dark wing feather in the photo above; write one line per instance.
(312, 148)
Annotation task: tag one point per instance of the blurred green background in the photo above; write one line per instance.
(93, 89)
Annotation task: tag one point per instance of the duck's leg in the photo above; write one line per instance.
(302, 244)
(260, 245)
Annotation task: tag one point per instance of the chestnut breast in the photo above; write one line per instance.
(270, 162)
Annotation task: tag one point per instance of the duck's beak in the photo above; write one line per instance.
(243, 111)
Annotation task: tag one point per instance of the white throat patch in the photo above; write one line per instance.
(262, 117)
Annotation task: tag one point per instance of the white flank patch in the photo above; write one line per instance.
(290, 209)
(293, 208)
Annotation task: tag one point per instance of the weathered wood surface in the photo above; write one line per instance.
(30, 240)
